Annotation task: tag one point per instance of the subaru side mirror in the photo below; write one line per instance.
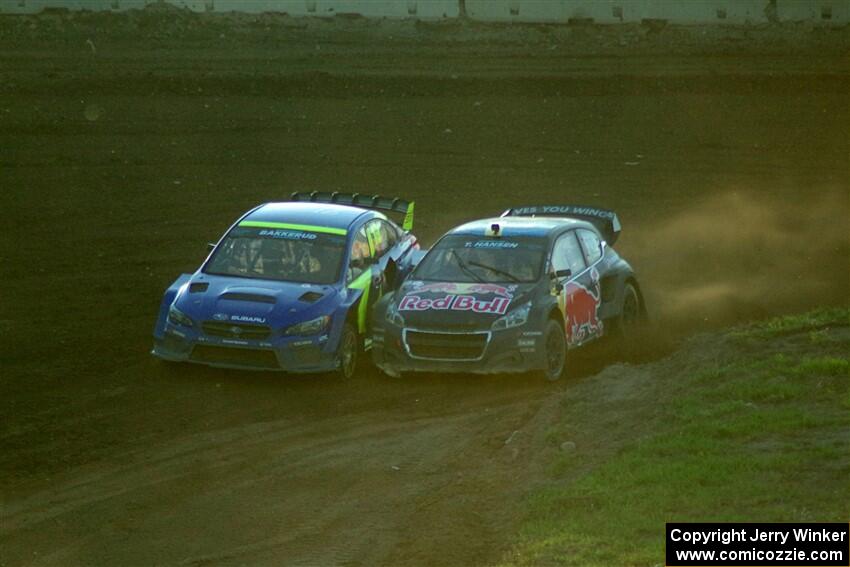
(363, 263)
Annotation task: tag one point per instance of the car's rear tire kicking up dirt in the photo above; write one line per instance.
(629, 330)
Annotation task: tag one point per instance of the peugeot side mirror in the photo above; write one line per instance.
(557, 275)
(363, 263)
(391, 274)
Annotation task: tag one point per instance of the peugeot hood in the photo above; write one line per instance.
(429, 304)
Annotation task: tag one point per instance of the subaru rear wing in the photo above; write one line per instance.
(605, 221)
(374, 202)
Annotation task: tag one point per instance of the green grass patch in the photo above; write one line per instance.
(824, 366)
(812, 321)
(764, 438)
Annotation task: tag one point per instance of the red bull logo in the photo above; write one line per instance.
(459, 297)
(581, 313)
(496, 306)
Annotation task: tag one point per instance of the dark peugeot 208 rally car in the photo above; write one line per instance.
(289, 286)
(510, 294)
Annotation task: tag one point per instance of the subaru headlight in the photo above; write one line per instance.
(515, 318)
(177, 317)
(393, 316)
(311, 327)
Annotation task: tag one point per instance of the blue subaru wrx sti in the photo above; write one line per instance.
(289, 286)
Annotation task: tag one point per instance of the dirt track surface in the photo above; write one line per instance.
(299, 473)
(120, 160)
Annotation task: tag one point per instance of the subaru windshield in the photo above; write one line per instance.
(465, 258)
(276, 254)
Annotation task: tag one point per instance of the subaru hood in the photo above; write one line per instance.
(258, 302)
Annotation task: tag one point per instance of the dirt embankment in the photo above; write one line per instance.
(161, 25)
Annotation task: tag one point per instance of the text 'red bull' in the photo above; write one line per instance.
(496, 306)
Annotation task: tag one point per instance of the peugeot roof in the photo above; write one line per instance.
(518, 226)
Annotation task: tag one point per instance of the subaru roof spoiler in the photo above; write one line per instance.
(374, 202)
(605, 221)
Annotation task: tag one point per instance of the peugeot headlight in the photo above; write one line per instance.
(311, 327)
(393, 316)
(177, 317)
(515, 318)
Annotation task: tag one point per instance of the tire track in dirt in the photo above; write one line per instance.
(378, 487)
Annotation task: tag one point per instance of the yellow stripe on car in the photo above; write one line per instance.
(291, 226)
(408, 218)
(373, 233)
(363, 282)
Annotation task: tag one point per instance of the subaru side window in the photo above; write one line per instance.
(382, 235)
(376, 238)
(390, 233)
(591, 244)
(567, 254)
(361, 256)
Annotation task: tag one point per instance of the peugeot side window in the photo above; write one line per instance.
(592, 245)
(567, 255)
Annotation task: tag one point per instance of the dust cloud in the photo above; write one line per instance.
(741, 255)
